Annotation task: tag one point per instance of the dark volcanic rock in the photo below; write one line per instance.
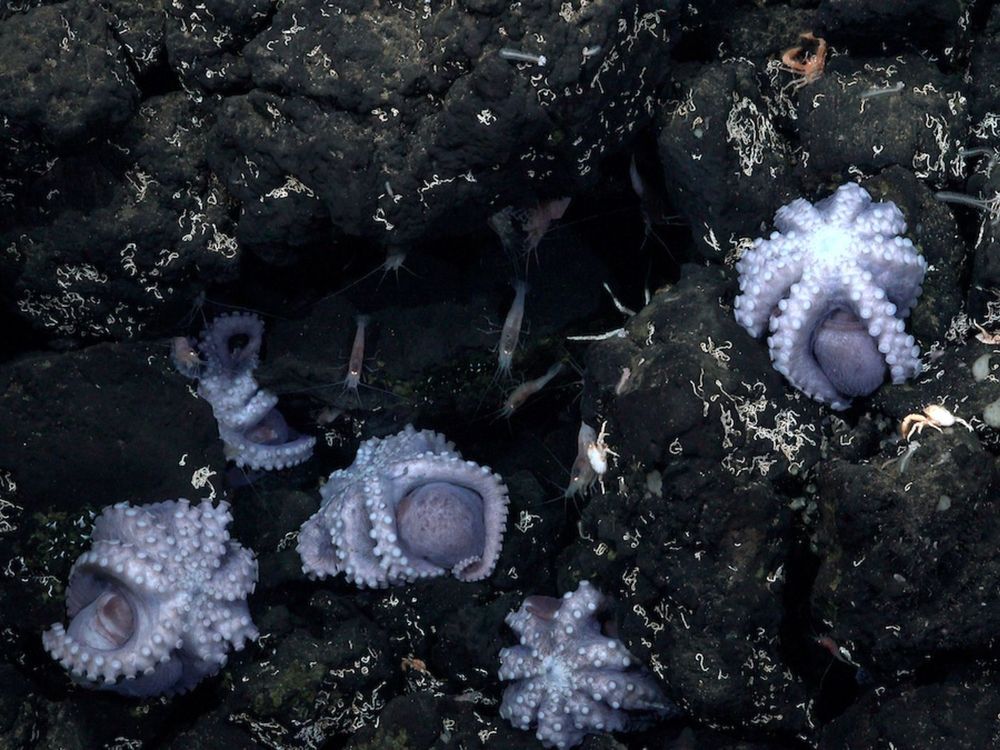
(726, 166)
(963, 378)
(205, 41)
(83, 430)
(895, 27)
(984, 190)
(64, 79)
(430, 344)
(922, 126)
(792, 576)
(697, 567)
(908, 552)
(427, 720)
(121, 238)
(297, 682)
(698, 386)
(984, 80)
(957, 714)
(407, 124)
(692, 542)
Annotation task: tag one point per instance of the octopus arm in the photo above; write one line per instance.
(791, 343)
(766, 274)
(896, 268)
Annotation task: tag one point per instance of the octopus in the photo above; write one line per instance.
(157, 602)
(834, 285)
(409, 507)
(254, 433)
(569, 677)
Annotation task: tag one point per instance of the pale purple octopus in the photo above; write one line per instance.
(253, 431)
(835, 282)
(157, 602)
(569, 677)
(409, 507)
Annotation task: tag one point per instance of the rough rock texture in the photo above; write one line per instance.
(907, 549)
(116, 238)
(985, 81)
(91, 414)
(727, 494)
(65, 78)
(984, 187)
(381, 125)
(726, 165)
(922, 126)
(698, 386)
(936, 24)
(963, 717)
(963, 378)
(699, 421)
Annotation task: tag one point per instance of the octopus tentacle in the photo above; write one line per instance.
(799, 215)
(765, 278)
(834, 285)
(254, 432)
(409, 507)
(569, 678)
(158, 600)
(791, 343)
(896, 268)
(901, 353)
(218, 345)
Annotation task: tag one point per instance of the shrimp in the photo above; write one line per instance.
(511, 331)
(184, 354)
(393, 263)
(357, 360)
(521, 229)
(527, 389)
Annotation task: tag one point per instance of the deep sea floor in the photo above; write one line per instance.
(792, 559)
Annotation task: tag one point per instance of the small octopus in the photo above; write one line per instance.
(834, 285)
(253, 431)
(409, 507)
(569, 677)
(157, 602)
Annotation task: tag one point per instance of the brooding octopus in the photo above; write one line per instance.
(253, 431)
(158, 601)
(569, 677)
(834, 285)
(409, 507)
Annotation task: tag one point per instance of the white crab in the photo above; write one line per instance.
(933, 416)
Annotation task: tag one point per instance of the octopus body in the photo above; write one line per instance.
(253, 431)
(157, 602)
(834, 285)
(569, 678)
(409, 507)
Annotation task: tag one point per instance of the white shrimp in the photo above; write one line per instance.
(357, 359)
(511, 331)
(527, 389)
(393, 263)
